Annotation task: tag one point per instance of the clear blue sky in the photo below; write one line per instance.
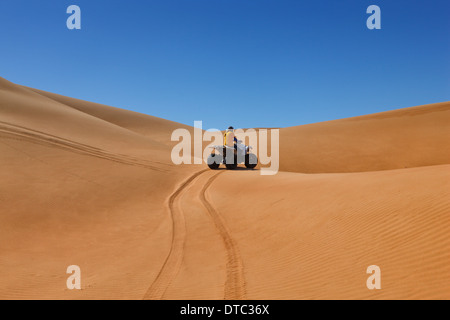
(247, 63)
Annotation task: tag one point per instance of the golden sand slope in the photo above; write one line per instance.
(313, 236)
(405, 138)
(91, 185)
(156, 128)
(76, 189)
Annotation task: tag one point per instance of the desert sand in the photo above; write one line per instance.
(91, 185)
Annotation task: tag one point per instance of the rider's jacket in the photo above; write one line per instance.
(229, 138)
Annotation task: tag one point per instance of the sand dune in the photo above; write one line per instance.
(314, 237)
(156, 128)
(71, 194)
(405, 138)
(91, 185)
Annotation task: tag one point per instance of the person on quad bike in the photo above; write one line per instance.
(231, 153)
(230, 139)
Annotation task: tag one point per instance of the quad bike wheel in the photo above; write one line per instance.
(232, 166)
(251, 160)
(214, 161)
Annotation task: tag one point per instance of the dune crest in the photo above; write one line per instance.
(405, 138)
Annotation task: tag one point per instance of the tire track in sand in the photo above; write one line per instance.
(174, 259)
(20, 133)
(235, 281)
(235, 288)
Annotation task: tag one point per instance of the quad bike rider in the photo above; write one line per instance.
(231, 153)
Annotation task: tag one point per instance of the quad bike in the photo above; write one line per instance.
(232, 156)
